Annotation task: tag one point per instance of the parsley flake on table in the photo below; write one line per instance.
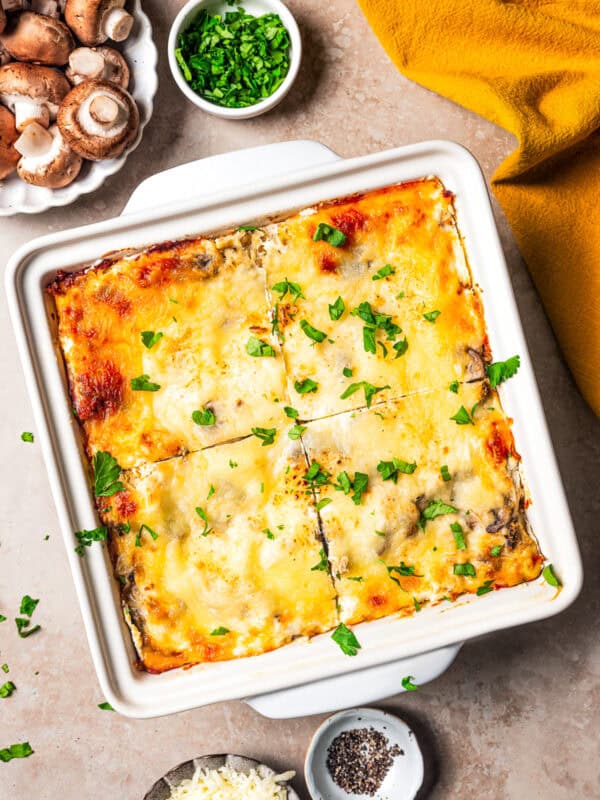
(233, 59)
(431, 316)
(7, 689)
(85, 538)
(143, 384)
(2, 618)
(329, 234)
(28, 605)
(204, 416)
(306, 386)
(21, 750)
(221, 631)
(259, 349)
(500, 371)
(150, 338)
(27, 436)
(285, 286)
(266, 435)
(312, 333)
(384, 272)
(369, 389)
(105, 706)
(106, 472)
(23, 628)
(4, 667)
(346, 640)
(408, 684)
(466, 569)
(389, 470)
(459, 537)
(336, 309)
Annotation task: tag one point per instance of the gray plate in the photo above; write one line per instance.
(162, 788)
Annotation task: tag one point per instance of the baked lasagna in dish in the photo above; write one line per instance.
(294, 428)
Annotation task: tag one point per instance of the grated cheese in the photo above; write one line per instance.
(229, 784)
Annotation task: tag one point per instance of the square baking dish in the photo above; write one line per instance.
(140, 694)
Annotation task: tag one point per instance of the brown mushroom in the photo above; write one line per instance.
(95, 21)
(51, 8)
(98, 120)
(32, 93)
(38, 39)
(97, 63)
(2, 18)
(8, 136)
(5, 56)
(47, 160)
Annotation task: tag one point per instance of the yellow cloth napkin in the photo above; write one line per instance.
(534, 68)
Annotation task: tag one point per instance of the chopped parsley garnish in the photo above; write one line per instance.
(211, 491)
(462, 417)
(266, 435)
(377, 321)
(220, 631)
(23, 628)
(445, 473)
(232, 464)
(85, 538)
(486, 587)
(4, 667)
(291, 412)
(2, 618)
(296, 432)
(7, 689)
(329, 234)
(306, 386)
(143, 384)
(203, 516)
(400, 347)
(268, 533)
(27, 436)
(105, 706)
(383, 534)
(550, 576)
(205, 416)
(347, 372)
(358, 485)
(21, 750)
(285, 286)
(416, 604)
(106, 472)
(233, 59)
(403, 570)
(389, 470)
(431, 316)
(316, 475)
(323, 565)
(248, 228)
(312, 333)
(435, 508)
(408, 684)
(384, 272)
(454, 387)
(28, 605)
(459, 537)
(464, 569)
(259, 349)
(357, 578)
(337, 309)
(346, 640)
(496, 550)
(150, 338)
(325, 501)
(369, 389)
(500, 371)
(143, 527)
(172, 300)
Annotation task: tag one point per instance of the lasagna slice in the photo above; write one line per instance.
(384, 298)
(170, 350)
(219, 555)
(423, 501)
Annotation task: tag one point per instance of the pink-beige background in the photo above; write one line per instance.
(516, 715)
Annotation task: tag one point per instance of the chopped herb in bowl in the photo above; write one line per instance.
(234, 59)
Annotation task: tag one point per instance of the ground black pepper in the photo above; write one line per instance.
(358, 760)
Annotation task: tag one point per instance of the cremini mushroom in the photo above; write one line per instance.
(5, 56)
(95, 21)
(98, 63)
(47, 160)
(2, 18)
(98, 120)
(51, 8)
(8, 136)
(32, 93)
(38, 39)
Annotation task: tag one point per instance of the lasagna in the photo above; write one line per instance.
(294, 428)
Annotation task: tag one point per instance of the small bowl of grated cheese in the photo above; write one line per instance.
(223, 777)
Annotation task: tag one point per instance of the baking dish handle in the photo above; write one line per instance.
(355, 688)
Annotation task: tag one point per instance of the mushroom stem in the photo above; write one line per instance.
(12, 5)
(35, 141)
(28, 112)
(87, 62)
(5, 56)
(104, 110)
(118, 24)
(49, 8)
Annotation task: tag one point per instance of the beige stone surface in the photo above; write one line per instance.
(515, 717)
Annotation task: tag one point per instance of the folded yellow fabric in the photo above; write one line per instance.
(534, 68)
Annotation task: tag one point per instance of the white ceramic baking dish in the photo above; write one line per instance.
(315, 675)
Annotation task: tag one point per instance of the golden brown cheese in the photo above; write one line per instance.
(233, 579)
(386, 555)
(406, 291)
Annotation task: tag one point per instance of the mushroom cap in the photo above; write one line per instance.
(86, 18)
(115, 70)
(57, 168)
(89, 137)
(29, 81)
(38, 39)
(8, 136)
(2, 18)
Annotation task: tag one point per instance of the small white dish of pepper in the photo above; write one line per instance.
(364, 753)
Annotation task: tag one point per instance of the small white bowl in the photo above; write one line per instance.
(256, 8)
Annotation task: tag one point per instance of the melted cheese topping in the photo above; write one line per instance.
(217, 539)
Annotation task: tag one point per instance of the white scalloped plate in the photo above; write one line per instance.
(18, 197)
